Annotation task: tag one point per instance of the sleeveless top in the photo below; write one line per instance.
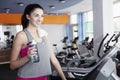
(41, 68)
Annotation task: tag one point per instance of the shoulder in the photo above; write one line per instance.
(21, 37)
(20, 34)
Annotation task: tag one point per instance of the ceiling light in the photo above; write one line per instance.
(62, 1)
(20, 4)
(52, 6)
(7, 10)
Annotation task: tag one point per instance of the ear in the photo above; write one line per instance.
(27, 16)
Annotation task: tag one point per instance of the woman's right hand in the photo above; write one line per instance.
(31, 51)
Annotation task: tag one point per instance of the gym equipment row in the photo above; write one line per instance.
(91, 67)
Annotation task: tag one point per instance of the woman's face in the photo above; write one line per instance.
(36, 17)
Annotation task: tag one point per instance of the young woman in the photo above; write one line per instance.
(31, 21)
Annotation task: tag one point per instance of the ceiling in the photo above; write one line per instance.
(13, 6)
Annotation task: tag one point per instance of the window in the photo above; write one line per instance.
(89, 24)
(74, 23)
(75, 31)
(73, 19)
(1, 34)
(116, 14)
(88, 17)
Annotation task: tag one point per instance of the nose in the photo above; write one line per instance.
(40, 19)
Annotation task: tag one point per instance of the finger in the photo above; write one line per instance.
(33, 53)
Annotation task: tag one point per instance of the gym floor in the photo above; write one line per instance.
(7, 74)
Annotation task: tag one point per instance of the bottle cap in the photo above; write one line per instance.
(33, 42)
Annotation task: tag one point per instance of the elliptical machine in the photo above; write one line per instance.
(104, 69)
(107, 68)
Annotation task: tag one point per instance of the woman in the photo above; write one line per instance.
(31, 21)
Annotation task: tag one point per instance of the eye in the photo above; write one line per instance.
(36, 15)
(42, 15)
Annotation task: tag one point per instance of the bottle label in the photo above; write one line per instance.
(34, 58)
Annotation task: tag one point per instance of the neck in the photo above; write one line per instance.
(32, 29)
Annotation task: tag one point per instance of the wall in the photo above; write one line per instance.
(48, 19)
(4, 28)
(56, 33)
(53, 24)
(11, 28)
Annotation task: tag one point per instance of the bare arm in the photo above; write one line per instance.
(17, 45)
(55, 63)
(57, 66)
